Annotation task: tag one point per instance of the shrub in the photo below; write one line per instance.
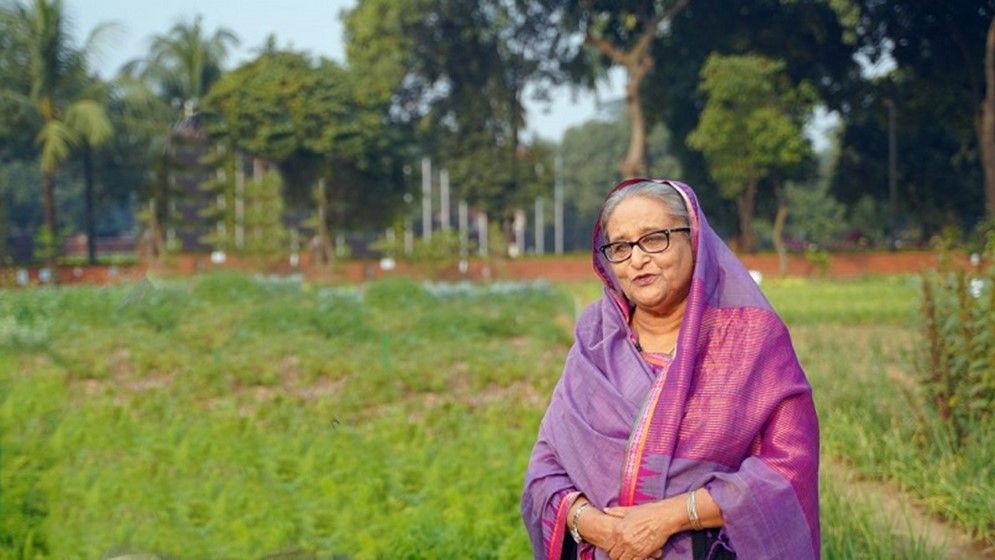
(957, 364)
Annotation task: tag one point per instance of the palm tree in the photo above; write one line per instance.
(184, 62)
(181, 67)
(67, 117)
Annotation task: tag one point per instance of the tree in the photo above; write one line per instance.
(986, 128)
(751, 127)
(308, 119)
(938, 179)
(185, 62)
(180, 68)
(623, 34)
(457, 71)
(590, 152)
(813, 38)
(944, 51)
(67, 118)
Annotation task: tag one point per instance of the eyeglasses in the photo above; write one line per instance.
(652, 242)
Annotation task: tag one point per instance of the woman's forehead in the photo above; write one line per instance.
(638, 215)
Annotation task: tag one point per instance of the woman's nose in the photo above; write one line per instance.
(638, 257)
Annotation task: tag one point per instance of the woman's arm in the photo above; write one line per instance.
(594, 526)
(643, 530)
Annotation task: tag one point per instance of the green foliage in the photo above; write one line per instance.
(857, 341)
(439, 252)
(410, 51)
(752, 122)
(312, 121)
(66, 113)
(814, 216)
(852, 528)
(957, 364)
(265, 235)
(273, 417)
(940, 180)
(184, 62)
(591, 152)
(15, 335)
(277, 417)
(282, 102)
(47, 244)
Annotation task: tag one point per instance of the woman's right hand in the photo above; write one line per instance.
(599, 529)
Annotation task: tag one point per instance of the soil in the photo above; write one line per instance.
(897, 511)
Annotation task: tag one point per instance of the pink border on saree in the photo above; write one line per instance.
(637, 443)
(560, 527)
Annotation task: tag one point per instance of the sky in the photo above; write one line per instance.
(311, 25)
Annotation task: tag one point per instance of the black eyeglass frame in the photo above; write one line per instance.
(639, 243)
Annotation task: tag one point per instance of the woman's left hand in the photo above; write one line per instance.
(642, 530)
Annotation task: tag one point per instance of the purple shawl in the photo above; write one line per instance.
(733, 413)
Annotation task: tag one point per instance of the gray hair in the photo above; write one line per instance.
(663, 192)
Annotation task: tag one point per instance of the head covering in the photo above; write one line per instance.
(733, 412)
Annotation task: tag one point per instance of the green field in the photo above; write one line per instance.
(230, 417)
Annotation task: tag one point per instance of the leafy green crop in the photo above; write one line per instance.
(240, 417)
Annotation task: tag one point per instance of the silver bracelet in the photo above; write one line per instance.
(573, 522)
(692, 507)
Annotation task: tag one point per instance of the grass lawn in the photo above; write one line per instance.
(229, 417)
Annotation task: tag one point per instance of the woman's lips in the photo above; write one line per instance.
(644, 279)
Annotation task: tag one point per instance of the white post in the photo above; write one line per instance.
(482, 233)
(463, 213)
(295, 248)
(540, 225)
(426, 198)
(444, 199)
(558, 207)
(519, 228)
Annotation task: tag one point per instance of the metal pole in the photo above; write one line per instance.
(558, 207)
(444, 200)
(518, 226)
(482, 233)
(426, 198)
(463, 213)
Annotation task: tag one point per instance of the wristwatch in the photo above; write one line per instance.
(573, 522)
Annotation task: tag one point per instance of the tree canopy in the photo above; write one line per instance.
(751, 127)
(734, 83)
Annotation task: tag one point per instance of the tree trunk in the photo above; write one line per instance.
(744, 204)
(634, 164)
(322, 250)
(90, 215)
(986, 132)
(637, 63)
(48, 207)
(779, 220)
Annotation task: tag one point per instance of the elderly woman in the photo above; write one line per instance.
(683, 425)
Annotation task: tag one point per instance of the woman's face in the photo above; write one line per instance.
(655, 282)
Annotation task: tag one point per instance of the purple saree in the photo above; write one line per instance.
(732, 412)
